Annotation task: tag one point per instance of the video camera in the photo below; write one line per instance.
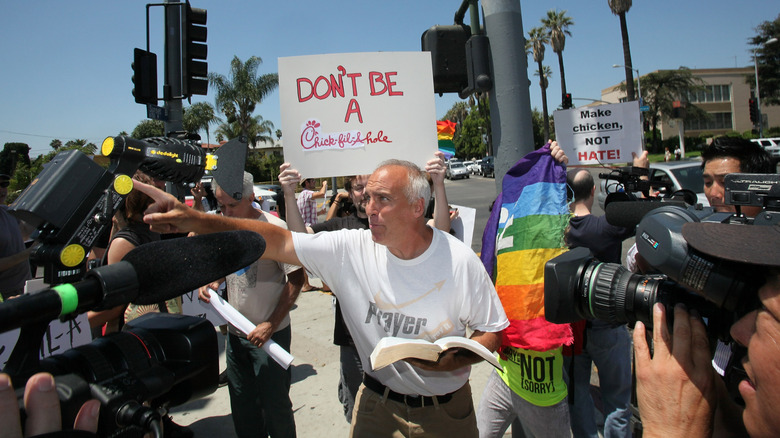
(160, 358)
(721, 288)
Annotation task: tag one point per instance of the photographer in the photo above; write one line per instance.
(677, 388)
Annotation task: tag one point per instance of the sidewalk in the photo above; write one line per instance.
(315, 376)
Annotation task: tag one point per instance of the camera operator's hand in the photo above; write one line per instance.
(676, 387)
(43, 409)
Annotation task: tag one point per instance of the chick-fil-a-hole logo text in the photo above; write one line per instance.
(313, 139)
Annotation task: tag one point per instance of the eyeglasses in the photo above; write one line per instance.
(4, 184)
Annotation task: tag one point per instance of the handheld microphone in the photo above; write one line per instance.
(148, 274)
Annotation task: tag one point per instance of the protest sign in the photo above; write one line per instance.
(343, 114)
(600, 134)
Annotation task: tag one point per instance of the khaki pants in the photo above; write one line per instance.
(376, 417)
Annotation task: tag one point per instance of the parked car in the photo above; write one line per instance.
(771, 145)
(265, 197)
(486, 167)
(456, 170)
(682, 174)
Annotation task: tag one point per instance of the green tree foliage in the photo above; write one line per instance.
(240, 92)
(149, 128)
(557, 24)
(199, 116)
(620, 8)
(662, 89)
(263, 166)
(472, 136)
(768, 57)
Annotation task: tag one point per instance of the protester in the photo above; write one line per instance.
(667, 154)
(12, 278)
(525, 229)
(678, 392)
(605, 344)
(307, 200)
(400, 278)
(351, 375)
(264, 292)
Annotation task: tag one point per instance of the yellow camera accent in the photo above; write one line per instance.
(107, 147)
(72, 255)
(123, 184)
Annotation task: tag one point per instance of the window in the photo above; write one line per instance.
(711, 93)
(715, 121)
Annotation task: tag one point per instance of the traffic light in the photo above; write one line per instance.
(447, 45)
(753, 110)
(194, 68)
(144, 77)
(566, 104)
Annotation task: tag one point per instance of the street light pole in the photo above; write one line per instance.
(639, 92)
(758, 94)
(638, 82)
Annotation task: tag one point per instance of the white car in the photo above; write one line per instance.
(682, 174)
(265, 198)
(771, 145)
(456, 170)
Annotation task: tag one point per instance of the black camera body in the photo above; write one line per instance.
(160, 358)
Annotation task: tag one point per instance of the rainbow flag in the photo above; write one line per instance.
(445, 130)
(525, 229)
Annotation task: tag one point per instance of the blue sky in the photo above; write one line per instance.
(66, 64)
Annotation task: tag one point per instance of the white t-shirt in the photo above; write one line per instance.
(255, 290)
(440, 293)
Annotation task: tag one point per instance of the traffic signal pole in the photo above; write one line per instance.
(172, 86)
(510, 101)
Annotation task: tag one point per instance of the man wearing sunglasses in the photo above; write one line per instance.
(12, 278)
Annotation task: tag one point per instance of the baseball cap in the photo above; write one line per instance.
(751, 244)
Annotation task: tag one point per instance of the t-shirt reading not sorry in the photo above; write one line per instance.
(440, 293)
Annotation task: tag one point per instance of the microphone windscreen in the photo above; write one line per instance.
(169, 268)
(628, 214)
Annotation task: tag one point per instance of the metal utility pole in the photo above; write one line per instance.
(172, 85)
(510, 101)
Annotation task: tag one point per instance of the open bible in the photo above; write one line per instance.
(389, 350)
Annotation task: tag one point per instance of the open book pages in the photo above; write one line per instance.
(389, 350)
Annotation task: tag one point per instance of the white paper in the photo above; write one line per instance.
(239, 321)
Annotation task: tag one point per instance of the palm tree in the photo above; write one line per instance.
(238, 95)
(557, 25)
(543, 74)
(619, 8)
(662, 88)
(256, 130)
(200, 116)
(537, 38)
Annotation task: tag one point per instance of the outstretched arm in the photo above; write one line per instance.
(168, 215)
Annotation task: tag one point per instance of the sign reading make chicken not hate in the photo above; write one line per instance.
(343, 114)
(600, 134)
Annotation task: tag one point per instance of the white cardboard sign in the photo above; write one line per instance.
(343, 114)
(600, 134)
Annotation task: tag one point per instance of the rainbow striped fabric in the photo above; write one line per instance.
(445, 130)
(525, 229)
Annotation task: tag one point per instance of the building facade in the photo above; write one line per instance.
(725, 99)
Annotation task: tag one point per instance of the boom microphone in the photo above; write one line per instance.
(148, 274)
(628, 214)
